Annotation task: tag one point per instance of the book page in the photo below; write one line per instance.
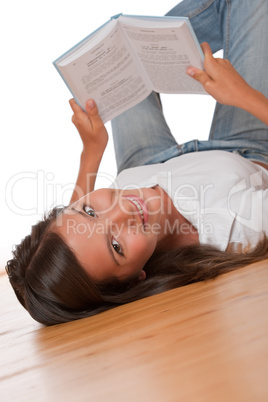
(165, 53)
(107, 73)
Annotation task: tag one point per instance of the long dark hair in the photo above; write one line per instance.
(51, 284)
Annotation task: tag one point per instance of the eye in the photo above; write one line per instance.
(118, 249)
(88, 210)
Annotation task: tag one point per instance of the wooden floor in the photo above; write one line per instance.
(204, 342)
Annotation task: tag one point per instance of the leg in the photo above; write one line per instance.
(141, 135)
(241, 29)
(205, 19)
(246, 32)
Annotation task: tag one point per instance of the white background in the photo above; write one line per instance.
(40, 148)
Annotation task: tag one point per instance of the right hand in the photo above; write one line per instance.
(90, 127)
(221, 80)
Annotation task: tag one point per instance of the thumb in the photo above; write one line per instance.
(92, 111)
(201, 75)
(198, 75)
(91, 107)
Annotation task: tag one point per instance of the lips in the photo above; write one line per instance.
(140, 206)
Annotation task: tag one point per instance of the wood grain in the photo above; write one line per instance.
(204, 342)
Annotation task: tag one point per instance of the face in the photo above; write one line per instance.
(114, 232)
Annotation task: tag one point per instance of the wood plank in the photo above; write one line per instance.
(204, 342)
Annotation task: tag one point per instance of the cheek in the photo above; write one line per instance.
(142, 247)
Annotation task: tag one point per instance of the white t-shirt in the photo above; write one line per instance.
(223, 195)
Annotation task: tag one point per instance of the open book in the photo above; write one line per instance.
(127, 58)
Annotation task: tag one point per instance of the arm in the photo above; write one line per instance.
(222, 81)
(94, 137)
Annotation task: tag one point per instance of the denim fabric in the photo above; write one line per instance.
(248, 149)
(141, 135)
(239, 27)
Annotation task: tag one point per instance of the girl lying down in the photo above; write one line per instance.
(176, 213)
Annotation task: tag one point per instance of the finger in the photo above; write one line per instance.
(74, 120)
(93, 113)
(210, 63)
(91, 107)
(75, 107)
(198, 75)
(207, 50)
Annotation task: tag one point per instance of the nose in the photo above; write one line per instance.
(123, 211)
(122, 217)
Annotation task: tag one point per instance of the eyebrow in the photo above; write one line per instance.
(107, 238)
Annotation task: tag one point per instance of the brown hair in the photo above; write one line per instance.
(51, 284)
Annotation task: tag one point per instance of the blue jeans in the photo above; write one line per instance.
(239, 27)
